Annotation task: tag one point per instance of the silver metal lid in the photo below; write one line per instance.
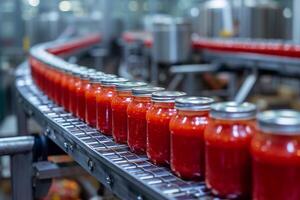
(146, 91)
(84, 75)
(76, 72)
(113, 81)
(128, 86)
(193, 103)
(99, 78)
(233, 110)
(166, 96)
(279, 122)
(94, 78)
(99, 73)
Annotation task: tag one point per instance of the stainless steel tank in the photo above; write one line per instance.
(171, 40)
(251, 21)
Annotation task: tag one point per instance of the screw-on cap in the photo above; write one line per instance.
(84, 75)
(99, 78)
(91, 71)
(113, 81)
(193, 103)
(166, 96)
(128, 86)
(279, 122)
(233, 110)
(145, 91)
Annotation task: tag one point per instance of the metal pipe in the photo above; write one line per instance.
(16, 145)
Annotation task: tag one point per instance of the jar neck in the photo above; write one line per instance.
(108, 87)
(124, 93)
(95, 85)
(233, 121)
(280, 134)
(142, 99)
(193, 112)
(84, 81)
(164, 104)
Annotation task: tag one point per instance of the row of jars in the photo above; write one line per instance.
(237, 154)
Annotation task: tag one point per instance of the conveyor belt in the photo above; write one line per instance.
(128, 175)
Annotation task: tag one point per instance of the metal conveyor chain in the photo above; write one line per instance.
(128, 175)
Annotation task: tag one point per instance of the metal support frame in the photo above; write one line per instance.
(246, 87)
(20, 149)
(21, 168)
(189, 71)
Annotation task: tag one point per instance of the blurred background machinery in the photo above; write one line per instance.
(220, 48)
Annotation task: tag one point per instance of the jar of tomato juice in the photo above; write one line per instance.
(119, 104)
(90, 97)
(103, 100)
(227, 148)
(276, 156)
(158, 133)
(187, 137)
(136, 114)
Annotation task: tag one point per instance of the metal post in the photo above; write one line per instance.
(296, 17)
(21, 164)
(22, 128)
(21, 176)
(246, 88)
(154, 73)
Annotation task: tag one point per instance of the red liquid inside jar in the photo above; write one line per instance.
(56, 83)
(65, 98)
(80, 98)
(228, 160)
(104, 115)
(119, 106)
(158, 133)
(187, 144)
(276, 166)
(90, 97)
(137, 124)
(72, 93)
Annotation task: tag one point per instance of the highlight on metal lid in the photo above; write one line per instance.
(98, 78)
(193, 103)
(113, 81)
(279, 122)
(166, 96)
(128, 86)
(233, 110)
(146, 91)
(84, 75)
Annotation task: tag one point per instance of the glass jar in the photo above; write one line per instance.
(80, 95)
(119, 104)
(136, 114)
(103, 100)
(90, 98)
(187, 137)
(276, 156)
(158, 133)
(227, 149)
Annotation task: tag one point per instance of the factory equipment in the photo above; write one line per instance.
(178, 53)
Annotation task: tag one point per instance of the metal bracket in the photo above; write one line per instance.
(246, 87)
